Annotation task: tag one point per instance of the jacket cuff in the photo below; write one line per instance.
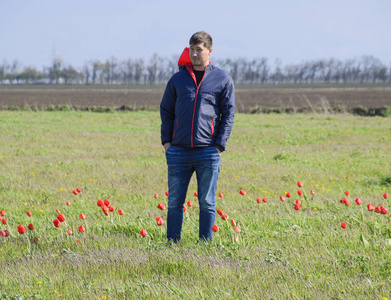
(221, 148)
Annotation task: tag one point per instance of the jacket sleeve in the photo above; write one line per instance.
(167, 112)
(227, 112)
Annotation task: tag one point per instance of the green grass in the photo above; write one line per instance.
(280, 254)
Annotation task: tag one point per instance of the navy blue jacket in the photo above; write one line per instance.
(198, 116)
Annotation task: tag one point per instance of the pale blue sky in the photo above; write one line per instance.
(293, 31)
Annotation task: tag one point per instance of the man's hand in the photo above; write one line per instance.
(218, 150)
(166, 146)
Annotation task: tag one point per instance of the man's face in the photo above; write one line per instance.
(199, 56)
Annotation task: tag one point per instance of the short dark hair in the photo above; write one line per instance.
(201, 37)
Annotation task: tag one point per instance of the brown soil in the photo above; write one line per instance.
(249, 98)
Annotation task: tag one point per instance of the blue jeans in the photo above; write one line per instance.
(182, 162)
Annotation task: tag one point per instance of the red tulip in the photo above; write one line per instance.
(297, 206)
(3, 213)
(166, 192)
(259, 200)
(299, 184)
(347, 193)
(75, 192)
(161, 206)
(282, 198)
(224, 217)
(264, 199)
(189, 203)
(220, 212)
(106, 202)
(121, 212)
(343, 225)
(29, 213)
(58, 211)
(99, 203)
(21, 229)
(344, 200)
(195, 194)
(81, 228)
(370, 207)
(1, 233)
(70, 232)
(159, 221)
(31, 226)
(312, 192)
(78, 190)
(143, 233)
(233, 223)
(358, 201)
(377, 209)
(156, 196)
(82, 216)
(184, 208)
(61, 217)
(221, 195)
(236, 239)
(298, 201)
(4, 221)
(300, 193)
(111, 208)
(104, 208)
(288, 195)
(6, 233)
(347, 203)
(385, 195)
(383, 210)
(57, 223)
(242, 192)
(67, 203)
(215, 228)
(237, 229)
(106, 212)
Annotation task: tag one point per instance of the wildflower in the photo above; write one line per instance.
(233, 223)
(370, 207)
(156, 196)
(300, 193)
(215, 228)
(242, 192)
(159, 221)
(21, 229)
(220, 212)
(221, 195)
(189, 204)
(31, 226)
(161, 206)
(39, 282)
(195, 194)
(282, 198)
(166, 192)
(106, 202)
(57, 223)
(121, 212)
(81, 228)
(61, 217)
(343, 225)
(29, 213)
(358, 201)
(143, 233)
(82, 216)
(288, 195)
(237, 229)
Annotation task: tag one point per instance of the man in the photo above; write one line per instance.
(197, 114)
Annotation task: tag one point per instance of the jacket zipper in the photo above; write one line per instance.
(195, 100)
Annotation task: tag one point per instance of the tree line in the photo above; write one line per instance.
(157, 70)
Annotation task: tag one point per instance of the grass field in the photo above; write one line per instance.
(280, 253)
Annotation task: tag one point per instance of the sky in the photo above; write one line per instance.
(78, 31)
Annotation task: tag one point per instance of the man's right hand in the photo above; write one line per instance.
(166, 146)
